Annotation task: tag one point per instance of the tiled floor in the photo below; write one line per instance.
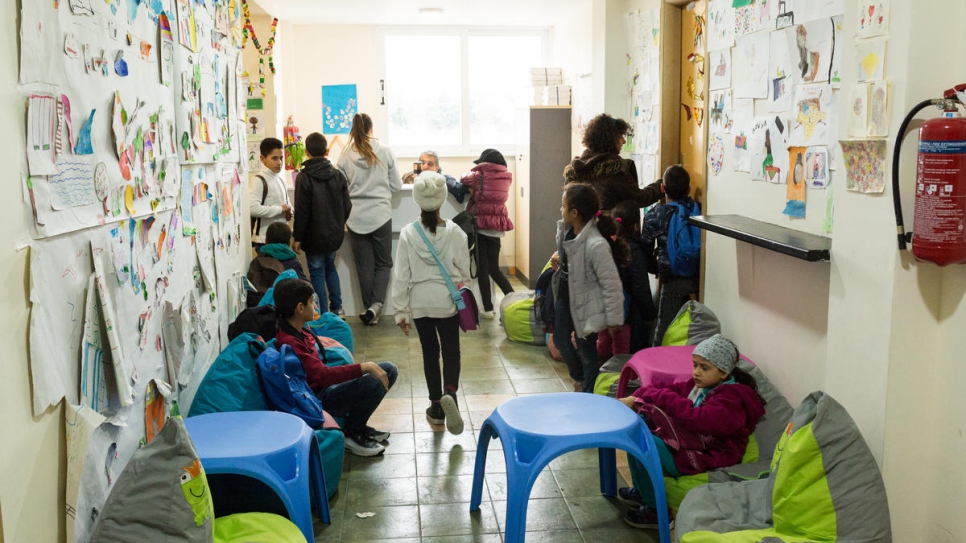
(420, 488)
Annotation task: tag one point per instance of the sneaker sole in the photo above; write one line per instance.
(454, 422)
(362, 451)
(628, 501)
(380, 437)
(646, 526)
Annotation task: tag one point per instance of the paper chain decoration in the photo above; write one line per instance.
(250, 29)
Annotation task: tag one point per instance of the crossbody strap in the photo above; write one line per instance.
(457, 297)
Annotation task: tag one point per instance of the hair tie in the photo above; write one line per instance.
(618, 219)
(598, 213)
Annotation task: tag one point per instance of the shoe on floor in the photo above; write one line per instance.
(339, 313)
(487, 314)
(645, 517)
(377, 435)
(454, 422)
(360, 444)
(435, 414)
(367, 317)
(630, 496)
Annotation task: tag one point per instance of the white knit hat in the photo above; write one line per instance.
(429, 190)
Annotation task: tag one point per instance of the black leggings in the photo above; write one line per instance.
(488, 251)
(434, 333)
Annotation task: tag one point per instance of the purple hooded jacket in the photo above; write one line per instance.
(489, 205)
(722, 422)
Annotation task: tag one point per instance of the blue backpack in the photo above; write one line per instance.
(683, 240)
(283, 380)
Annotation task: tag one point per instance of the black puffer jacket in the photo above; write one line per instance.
(321, 206)
(615, 179)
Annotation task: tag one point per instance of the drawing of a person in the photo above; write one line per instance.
(798, 174)
(769, 160)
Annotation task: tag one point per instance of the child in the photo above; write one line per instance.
(489, 185)
(267, 193)
(587, 287)
(321, 207)
(712, 414)
(674, 291)
(641, 312)
(278, 245)
(353, 391)
(421, 296)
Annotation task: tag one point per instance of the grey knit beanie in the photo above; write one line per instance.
(720, 351)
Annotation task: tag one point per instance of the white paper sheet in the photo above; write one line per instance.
(744, 110)
(720, 69)
(858, 111)
(721, 25)
(811, 115)
(750, 66)
(124, 372)
(780, 73)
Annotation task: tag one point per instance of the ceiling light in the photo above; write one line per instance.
(433, 14)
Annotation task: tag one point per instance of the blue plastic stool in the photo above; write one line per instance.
(275, 448)
(536, 429)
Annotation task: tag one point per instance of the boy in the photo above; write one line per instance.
(353, 391)
(278, 245)
(675, 291)
(321, 207)
(267, 194)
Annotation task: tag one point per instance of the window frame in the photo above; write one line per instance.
(464, 148)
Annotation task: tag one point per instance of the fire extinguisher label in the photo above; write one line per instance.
(940, 192)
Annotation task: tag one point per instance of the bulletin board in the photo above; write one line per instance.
(135, 138)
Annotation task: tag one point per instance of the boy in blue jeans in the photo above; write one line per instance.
(674, 291)
(321, 207)
(353, 391)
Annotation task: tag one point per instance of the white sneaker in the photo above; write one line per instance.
(454, 422)
(488, 314)
(362, 445)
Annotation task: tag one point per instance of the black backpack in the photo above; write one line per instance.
(543, 301)
(261, 320)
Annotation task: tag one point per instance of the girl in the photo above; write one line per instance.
(587, 287)
(420, 295)
(489, 184)
(371, 170)
(710, 416)
(641, 311)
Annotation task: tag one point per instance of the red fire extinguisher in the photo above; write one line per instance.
(940, 209)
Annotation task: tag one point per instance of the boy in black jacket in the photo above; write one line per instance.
(321, 207)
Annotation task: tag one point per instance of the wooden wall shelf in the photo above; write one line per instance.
(770, 236)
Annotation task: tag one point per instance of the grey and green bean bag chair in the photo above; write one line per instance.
(693, 324)
(824, 486)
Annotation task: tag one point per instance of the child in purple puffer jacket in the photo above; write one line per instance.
(489, 184)
(708, 419)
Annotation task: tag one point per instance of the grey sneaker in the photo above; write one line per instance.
(362, 445)
(454, 422)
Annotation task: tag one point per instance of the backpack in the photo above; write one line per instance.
(285, 387)
(261, 320)
(683, 240)
(263, 271)
(257, 221)
(467, 222)
(543, 301)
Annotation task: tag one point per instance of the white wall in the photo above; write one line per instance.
(33, 470)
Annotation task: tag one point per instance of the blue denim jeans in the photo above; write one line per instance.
(582, 361)
(357, 399)
(325, 279)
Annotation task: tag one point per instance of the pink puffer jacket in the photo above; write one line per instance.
(489, 204)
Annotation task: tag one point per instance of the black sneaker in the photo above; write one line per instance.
(645, 517)
(377, 435)
(435, 414)
(630, 496)
(367, 317)
(360, 444)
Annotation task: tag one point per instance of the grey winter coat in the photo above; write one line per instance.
(596, 294)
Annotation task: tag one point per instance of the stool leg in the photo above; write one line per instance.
(608, 471)
(486, 432)
(519, 483)
(649, 459)
(317, 480)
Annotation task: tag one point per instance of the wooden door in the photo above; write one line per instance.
(694, 96)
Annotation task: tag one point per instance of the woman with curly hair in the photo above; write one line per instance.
(601, 165)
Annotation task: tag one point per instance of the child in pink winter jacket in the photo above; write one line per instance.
(698, 425)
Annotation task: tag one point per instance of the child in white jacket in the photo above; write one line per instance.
(421, 297)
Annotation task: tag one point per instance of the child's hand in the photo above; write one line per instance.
(297, 247)
(373, 369)
(555, 261)
(628, 401)
(404, 326)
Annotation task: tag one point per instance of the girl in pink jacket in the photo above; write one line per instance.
(697, 425)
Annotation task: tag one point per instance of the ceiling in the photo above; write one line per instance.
(503, 13)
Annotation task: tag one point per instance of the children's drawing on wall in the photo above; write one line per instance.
(720, 69)
(721, 25)
(878, 108)
(858, 111)
(187, 31)
(165, 50)
(339, 106)
(795, 184)
(721, 112)
(744, 111)
(864, 165)
(870, 55)
(750, 65)
(816, 167)
(873, 19)
(41, 120)
(810, 124)
(812, 46)
(715, 153)
(256, 125)
(73, 184)
(780, 73)
(769, 148)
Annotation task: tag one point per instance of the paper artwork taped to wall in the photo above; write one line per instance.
(721, 111)
(187, 31)
(720, 69)
(73, 184)
(768, 145)
(744, 114)
(870, 55)
(721, 25)
(810, 121)
(41, 123)
(878, 108)
(816, 167)
(811, 45)
(339, 106)
(873, 18)
(795, 184)
(750, 65)
(858, 111)
(781, 75)
(715, 154)
(864, 165)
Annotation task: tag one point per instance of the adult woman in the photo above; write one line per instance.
(373, 177)
(601, 165)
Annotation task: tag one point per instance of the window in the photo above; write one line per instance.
(458, 90)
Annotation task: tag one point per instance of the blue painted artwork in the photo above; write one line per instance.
(84, 146)
(339, 106)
